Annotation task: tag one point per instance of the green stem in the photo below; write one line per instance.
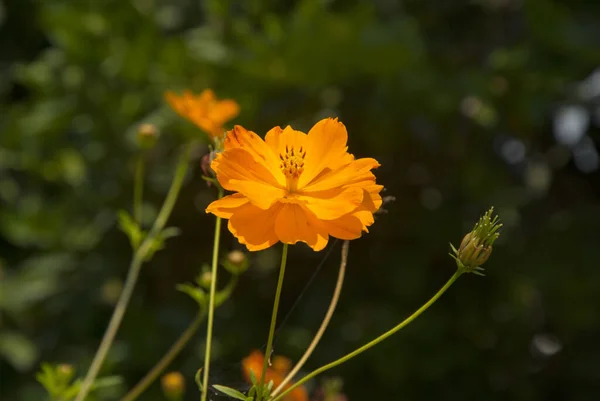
(159, 368)
(138, 188)
(334, 300)
(211, 302)
(134, 270)
(373, 342)
(274, 314)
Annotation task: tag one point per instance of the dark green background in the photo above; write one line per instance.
(464, 103)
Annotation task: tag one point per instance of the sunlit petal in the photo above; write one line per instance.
(277, 139)
(333, 203)
(254, 227)
(325, 145)
(238, 171)
(239, 137)
(225, 207)
(356, 171)
(294, 224)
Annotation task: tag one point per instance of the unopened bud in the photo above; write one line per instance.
(476, 247)
(205, 279)
(205, 165)
(236, 262)
(173, 386)
(147, 136)
(65, 372)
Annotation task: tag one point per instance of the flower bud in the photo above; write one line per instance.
(173, 386)
(476, 247)
(65, 372)
(147, 135)
(205, 165)
(205, 279)
(236, 262)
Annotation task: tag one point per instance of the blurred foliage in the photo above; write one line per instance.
(466, 104)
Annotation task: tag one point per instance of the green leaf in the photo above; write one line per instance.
(158, 243)
(18, 350)
(130, 228)
(253, 377)
(109, 381)
(230, 392)
(198, 380)
(196, 293)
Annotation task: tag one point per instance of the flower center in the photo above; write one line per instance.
(292, 165)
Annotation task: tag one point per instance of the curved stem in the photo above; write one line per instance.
(373, 342)
(324, 324)
(274, 314)
(211, 302)
(138, 188)
(175, 349)
(134, 269)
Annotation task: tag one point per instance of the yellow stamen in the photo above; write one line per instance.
(292, 166)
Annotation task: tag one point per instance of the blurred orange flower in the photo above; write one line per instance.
(281, 367)
(204, 110)
(294, 186)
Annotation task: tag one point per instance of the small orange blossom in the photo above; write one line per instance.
(294, 186)
(204, 110)
(281, 367)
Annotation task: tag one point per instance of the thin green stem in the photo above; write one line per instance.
(274, 314)
(138, 188)
(211, 302)
(373, 342)
(334, 300)
(134, 270)
(161, 365)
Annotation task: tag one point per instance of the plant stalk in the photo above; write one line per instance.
(211, 302)
(373, 342)
(138, 188)
(274, 314)
(159, 368)
(324, 324)
(134, 270)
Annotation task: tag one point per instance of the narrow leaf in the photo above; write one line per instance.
(230, 392)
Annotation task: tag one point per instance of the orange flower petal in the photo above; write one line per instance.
(354, 172)
(333, 203)
(207, 96)
(346, 227)
(225, 110)
(278, 139)
(204, 110)
(225, 207)
(239, 137)
(294, 224)
(238, 171)
(372, 199)
(254, 227)
(365, 217)
(325, 145)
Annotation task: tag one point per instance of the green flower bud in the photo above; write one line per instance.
(476, 247)
(65, 372)
(236, 262)
(205, 279)
(147, 135)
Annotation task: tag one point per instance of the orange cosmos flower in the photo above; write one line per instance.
(204, 110)
(294, 186)
(281, 367)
